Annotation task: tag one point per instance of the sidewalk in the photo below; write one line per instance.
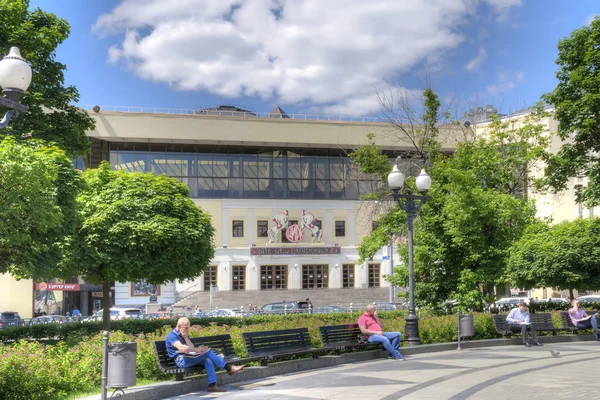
(483, 373)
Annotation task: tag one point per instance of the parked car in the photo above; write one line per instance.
(592, 298)
(119, 313)
(386, 306)
(508, 303)
(224, 312)
(553, 300)
(285, 307)
(49, 319)
(9, 318)
(327, 309)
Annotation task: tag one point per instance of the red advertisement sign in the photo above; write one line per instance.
(294, 233)
(67, 287)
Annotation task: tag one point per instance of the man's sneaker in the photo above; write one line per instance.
(400, 357)
(527, 344)
(538, 344)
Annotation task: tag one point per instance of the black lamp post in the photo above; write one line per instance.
(15, 78)
(410, 203)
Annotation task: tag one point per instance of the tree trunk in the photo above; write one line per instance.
(106, 305)
(571, 295)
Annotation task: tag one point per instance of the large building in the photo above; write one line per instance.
(283, 196)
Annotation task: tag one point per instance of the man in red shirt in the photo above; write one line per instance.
(370, 326)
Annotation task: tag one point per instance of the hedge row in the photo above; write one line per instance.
(33, 370)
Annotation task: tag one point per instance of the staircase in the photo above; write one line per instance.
(318, 297)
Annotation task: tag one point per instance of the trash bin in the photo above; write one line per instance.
(467, 325)
(121, 364)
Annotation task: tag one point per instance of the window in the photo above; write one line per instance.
(238, 229)
(315, 276)
(273, 277)
(340, 228)
(373, 275)
(284, 238)
(374, 225)
(348, 275)
(210, 277)
(262, 228)
(239, 277)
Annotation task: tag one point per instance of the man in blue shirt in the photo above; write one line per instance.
(186, 355)
(519, 320)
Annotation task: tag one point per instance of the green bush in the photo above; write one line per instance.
(34, 370)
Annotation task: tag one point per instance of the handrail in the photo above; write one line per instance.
(241, 114)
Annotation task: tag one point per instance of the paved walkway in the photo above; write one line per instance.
(485, 373)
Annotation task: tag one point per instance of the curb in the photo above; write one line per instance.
(161, 390)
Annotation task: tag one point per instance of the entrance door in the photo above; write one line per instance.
(315, 276)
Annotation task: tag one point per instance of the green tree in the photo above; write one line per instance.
(563, 256)
(135, 226)
(38, 188)
(478, 208)
(52, 116)
(576, 99)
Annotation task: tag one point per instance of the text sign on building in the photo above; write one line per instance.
(294, 251)
(67, 287)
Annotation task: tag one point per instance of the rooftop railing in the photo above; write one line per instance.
(240, 114)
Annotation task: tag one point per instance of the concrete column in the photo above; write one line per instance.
(328, 228)
(224, 274)
(225, 226)
(295, 275)
(252, 276)
(251, 228)
(335, 275)
(84, 304)
(351, 236)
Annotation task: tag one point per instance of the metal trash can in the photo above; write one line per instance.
(121, 364)
(467, 325)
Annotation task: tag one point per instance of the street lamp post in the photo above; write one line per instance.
(15, 78)
(411, 203)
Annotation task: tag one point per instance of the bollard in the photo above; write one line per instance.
(458, 324)
(104, 365)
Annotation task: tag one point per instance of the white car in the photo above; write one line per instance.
(553, 300)
(119, 313)
(592, 298)
(510, 302)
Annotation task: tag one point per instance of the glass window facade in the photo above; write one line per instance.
(238, 228)
(210, 277)
(239, 277)
(348, 276)
(249, 172)
(315, 276)
(374, 280)
(340, 228)
(273, 277)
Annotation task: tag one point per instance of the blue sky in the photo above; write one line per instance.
(312, 56)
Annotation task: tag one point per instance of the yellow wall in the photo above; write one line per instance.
(16, 295)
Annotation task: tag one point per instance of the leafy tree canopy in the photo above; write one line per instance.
(576, 99)
(478, 208)
(563, 256)
(135, 226)
(38, 188)
(52, 116)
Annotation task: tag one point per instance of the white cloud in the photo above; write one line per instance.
(590, 18)
(332, 55)
(475, 62)
(503, 7)
(506, 82)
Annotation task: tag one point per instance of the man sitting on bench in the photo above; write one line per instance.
(370, 326)
(181, 349)
(519, 321)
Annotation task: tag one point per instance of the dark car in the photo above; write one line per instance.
(284, 307)
(9, 318)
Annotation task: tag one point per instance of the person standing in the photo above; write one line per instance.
(76, 313)
(519, 321)
(581, 320)
(371, 327)
(181, 349)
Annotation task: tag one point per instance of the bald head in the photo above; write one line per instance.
(370, 309)
(183, 325)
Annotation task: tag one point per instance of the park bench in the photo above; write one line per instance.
(541, 322)
(270, 345)
(567, 324)
(219, 344)
(342, 337)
